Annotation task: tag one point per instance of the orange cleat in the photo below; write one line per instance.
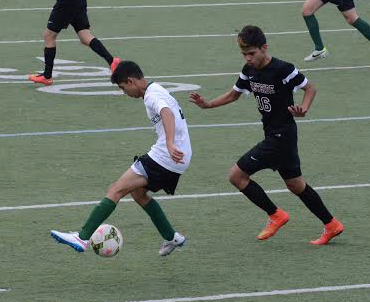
(275, 222)
(40, 79)
(332, 229)
(114, 64)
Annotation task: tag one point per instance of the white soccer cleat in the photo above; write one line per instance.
(71, 239)
(169, 246)
(317, 54)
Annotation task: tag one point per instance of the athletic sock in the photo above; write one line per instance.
(49, 56)
(258, 196)
(313, 28)
(100, 49)
(314, 203)
(100, 213)
(363, 27)
(153, 209)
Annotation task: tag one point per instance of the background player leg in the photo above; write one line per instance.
(314, 203)
(153, 209)
(97, 46)
(309, 8)
(49, 56)
(353, 19)
(277, 217)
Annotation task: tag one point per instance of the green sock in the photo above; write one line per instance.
(153, 209)
(101, 212)
(313, 28)
(363, 27)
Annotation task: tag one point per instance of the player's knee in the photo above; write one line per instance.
(307, 11)
(237, 180)
(115, 193)
(85, 37)
(350, 20)
(295, 187)
(85, 41)
(49, 37)
(141, 199)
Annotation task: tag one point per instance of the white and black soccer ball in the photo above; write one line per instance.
(107, 240)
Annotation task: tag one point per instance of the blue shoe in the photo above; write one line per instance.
(71, 239)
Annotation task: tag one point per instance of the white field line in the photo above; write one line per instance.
(2, 290)
(166, 197)
(52, 133)
(175, 36)
(264, 294)
(199, 75)
(115, 7)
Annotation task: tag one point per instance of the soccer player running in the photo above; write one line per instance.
(272, 82)
(348, 10)
(159, 169)
(67, 12)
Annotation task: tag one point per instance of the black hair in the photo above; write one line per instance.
(125, 70)
(251, 36)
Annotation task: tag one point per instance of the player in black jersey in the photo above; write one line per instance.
(272, 82)
(348, 10)
(67, 12)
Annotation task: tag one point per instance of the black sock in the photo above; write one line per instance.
(49, 56)
(258, 196)
(100, 49)
(313, 202)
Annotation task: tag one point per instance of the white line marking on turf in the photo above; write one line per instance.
(166, 197)
(263, 294)
(177, 36)
(158, 6)
(329, 68)
(50, 133)
(2, 290)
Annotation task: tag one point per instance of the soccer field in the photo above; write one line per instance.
(63, 145)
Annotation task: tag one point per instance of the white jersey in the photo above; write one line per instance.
(155, 99)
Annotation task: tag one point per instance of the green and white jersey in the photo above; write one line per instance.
(155, 99)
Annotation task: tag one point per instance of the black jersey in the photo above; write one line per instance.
(273, 87)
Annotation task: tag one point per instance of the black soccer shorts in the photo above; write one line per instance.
(277, 152)
(342, 5)
(67, 12)
(159, 178)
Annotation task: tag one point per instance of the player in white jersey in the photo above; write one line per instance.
(159, 169)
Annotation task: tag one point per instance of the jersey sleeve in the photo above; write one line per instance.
(242, 84)
(156, 103)
(293, 78)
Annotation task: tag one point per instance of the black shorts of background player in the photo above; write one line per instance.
(65, 13)
(272, 82)
(348, 10)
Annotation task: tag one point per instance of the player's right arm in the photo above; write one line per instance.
(222, 100)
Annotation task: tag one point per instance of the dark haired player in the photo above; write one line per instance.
(67, 12)
(159, 169)
(272, 82)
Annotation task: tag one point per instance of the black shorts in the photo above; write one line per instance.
(342, 5)
(277, 152)
(67, 12)
(159, 178)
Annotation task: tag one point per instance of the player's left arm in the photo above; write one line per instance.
(309, 94)
(168, 120)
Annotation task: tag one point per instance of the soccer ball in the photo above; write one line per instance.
(107, 240)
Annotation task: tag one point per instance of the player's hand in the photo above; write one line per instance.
(297, 110)
(176, 154)
(198, 100)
